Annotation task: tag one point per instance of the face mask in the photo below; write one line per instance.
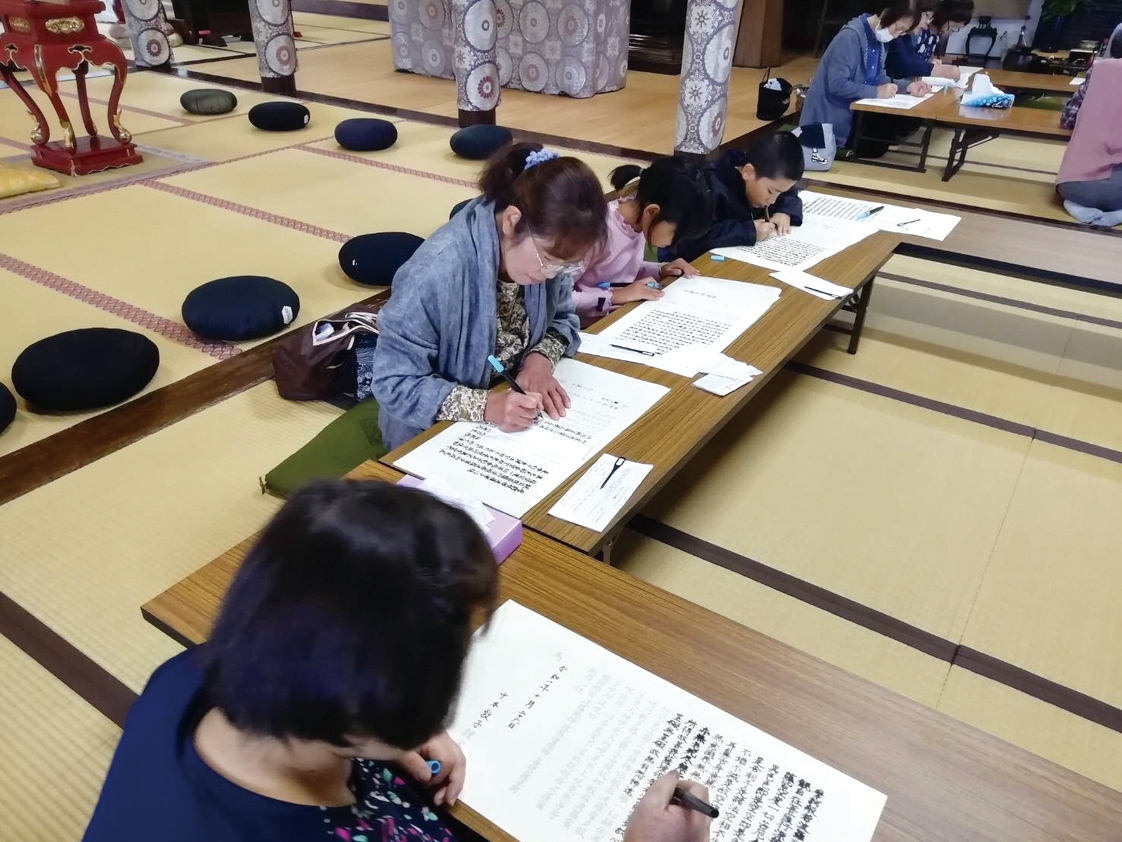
(884, 35)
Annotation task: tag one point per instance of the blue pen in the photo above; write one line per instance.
(434, 767)
(500, 370)
(609, 285)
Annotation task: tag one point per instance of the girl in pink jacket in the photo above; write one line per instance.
(656, 207)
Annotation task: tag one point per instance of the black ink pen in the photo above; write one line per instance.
(692, 802)
(500, 370)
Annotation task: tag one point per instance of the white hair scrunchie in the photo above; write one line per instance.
(540, 157)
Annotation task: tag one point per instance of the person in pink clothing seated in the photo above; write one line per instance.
(1090, 177)
(667, 201)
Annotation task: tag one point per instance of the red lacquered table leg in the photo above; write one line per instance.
(42, 131)
(83, 98)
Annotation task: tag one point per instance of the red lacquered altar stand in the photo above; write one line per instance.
(44, 38)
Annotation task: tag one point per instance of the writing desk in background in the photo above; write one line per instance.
(944, 780)
(1034, 83)
(679, 425)
(975, 126)
(926, 113)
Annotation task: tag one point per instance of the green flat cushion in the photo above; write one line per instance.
(343, 445)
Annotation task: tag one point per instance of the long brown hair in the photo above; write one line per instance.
(561, 199)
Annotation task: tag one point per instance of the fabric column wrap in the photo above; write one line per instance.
(711, 27)
(476, 67)
(273, 37)
(148, 26)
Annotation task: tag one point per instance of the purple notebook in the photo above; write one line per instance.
(504, 533)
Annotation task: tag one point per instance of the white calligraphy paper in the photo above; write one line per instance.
(562, 738)
(810, 243)
(703, 313)
(513, 472)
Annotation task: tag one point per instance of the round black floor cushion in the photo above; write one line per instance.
(279, 116)
(366, 134)
(208, 101)
(373, 259)
(7, 407)
(479, 142)
(242, 307)
(85, 369)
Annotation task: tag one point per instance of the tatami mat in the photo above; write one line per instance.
(179, 244)
(426, 148)
(156, 162)
(336, 194)
(334, 35)
(1049, 601)
(370, 27)
(1006, 286)
(890, 505)
(972, 354)
(1080, 745)
(844, 644)
(22, 297)
(228, 138)
(54, 751)
(1087, 404)
(86, 551)
(641, 116)
(159, 93)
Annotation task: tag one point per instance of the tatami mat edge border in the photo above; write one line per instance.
(955, 411)
(1014, 677)
(1001, 299)
(65, 662)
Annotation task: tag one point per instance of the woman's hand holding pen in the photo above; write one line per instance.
(511, 411)
(656, 819)
(536, 377)
(451, 767)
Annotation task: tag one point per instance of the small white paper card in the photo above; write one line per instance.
(812, 284)
(598, 496)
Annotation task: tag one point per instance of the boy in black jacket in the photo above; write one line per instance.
(754, 195)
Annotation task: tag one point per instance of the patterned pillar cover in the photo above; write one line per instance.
(147, 24)
(273, 36)
(706, 64)
(573, 47)
(476, 69)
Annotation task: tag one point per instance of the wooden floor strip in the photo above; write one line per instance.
(48, 459)
(65, 662)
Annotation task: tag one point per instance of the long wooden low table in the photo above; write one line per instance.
(1036, 83)
(975, 126)
(1040, 250)
(945, 781)
(682, 422)
(927, 113)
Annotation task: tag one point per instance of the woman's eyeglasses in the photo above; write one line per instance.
(553, 269)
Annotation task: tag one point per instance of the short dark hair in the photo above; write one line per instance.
(560, 199)
(953, 11)
(350, 617)
(777, 155)
(676, 186)
(899, 10)
(1114, 48)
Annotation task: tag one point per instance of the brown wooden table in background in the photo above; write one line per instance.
(683, 421)
(974, 126)
(1043, 83)
(945, 780)
(926, 113)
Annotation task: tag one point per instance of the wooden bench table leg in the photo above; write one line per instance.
(860, 309)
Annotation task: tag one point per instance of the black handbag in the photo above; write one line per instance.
(770, 103)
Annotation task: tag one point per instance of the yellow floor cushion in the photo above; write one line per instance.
(15, 181)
